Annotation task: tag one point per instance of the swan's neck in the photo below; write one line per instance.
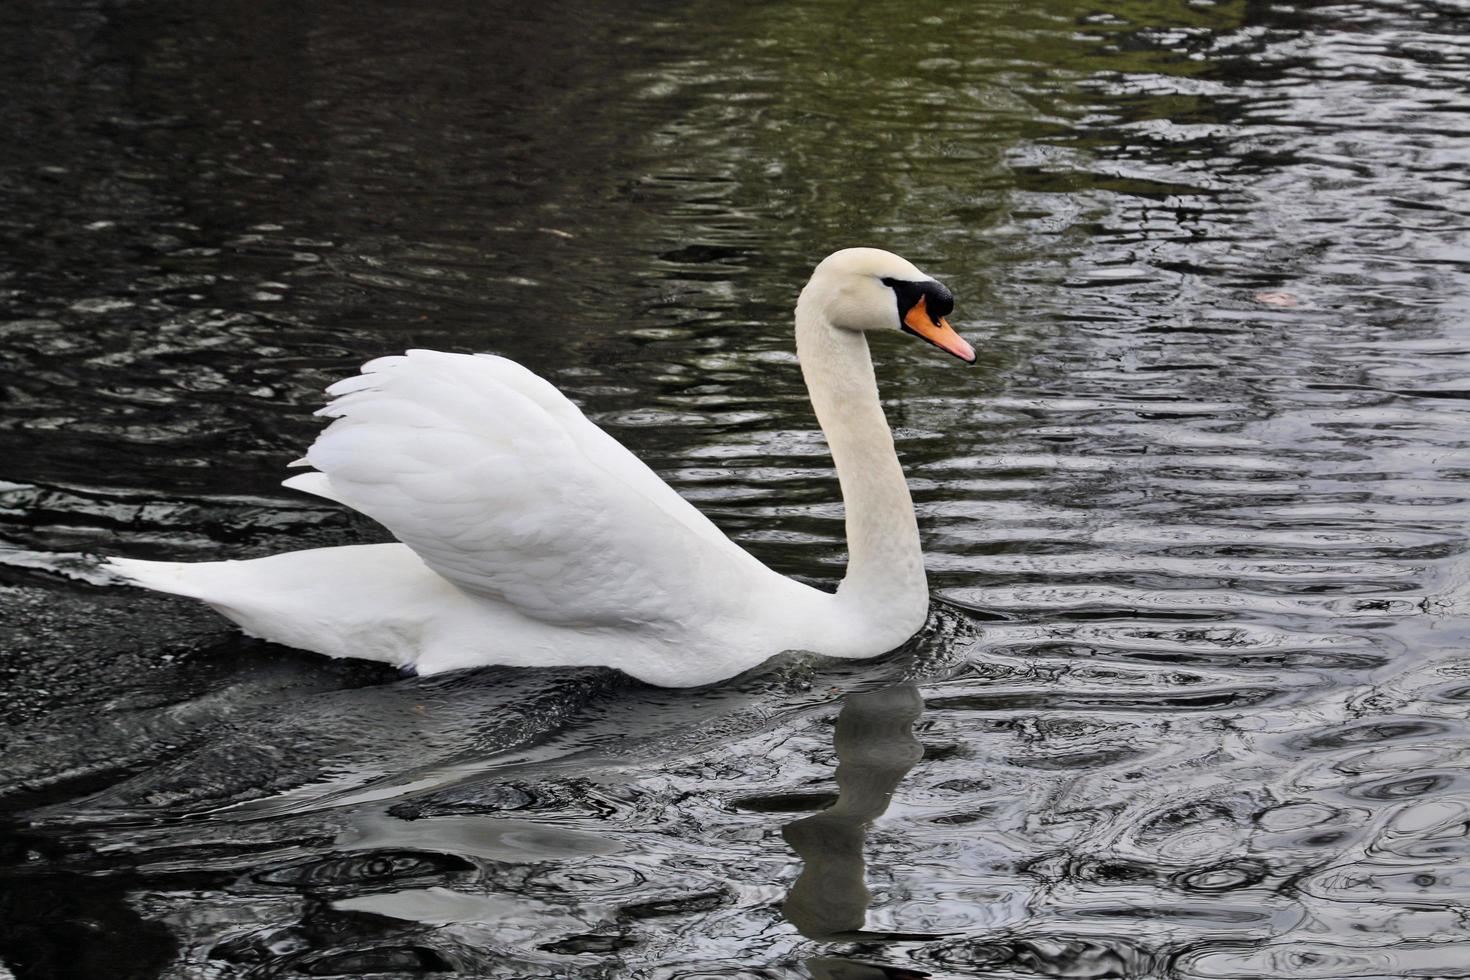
(885, 568)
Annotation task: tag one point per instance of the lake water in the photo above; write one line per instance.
(1193, 699)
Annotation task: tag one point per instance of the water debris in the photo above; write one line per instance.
(1278, 299)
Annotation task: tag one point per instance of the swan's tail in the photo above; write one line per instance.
(370, 601)
(176, 577)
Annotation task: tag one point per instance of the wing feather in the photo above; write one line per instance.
(503, 486)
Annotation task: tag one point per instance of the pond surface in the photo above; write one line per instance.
(1193, 699)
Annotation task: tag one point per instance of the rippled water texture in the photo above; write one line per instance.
(1193, 699)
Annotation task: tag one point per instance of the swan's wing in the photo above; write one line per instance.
(505, 488)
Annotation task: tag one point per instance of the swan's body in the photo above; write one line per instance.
(531, 537)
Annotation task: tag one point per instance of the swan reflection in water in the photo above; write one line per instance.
(876, 748)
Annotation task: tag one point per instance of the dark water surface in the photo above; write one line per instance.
(1193, 699)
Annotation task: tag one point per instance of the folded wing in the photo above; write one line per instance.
(504, 487)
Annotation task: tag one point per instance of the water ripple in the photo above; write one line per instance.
(1193, 692)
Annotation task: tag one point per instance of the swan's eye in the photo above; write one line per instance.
(908, 294)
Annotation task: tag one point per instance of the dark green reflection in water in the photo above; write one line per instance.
(875, 749)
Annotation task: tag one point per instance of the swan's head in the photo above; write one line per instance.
(870, 289)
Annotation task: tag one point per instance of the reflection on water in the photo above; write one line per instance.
(875, 749)
(1195, 687)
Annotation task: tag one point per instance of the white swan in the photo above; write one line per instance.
(531, 537)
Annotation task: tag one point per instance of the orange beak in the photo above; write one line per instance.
(937, 332)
